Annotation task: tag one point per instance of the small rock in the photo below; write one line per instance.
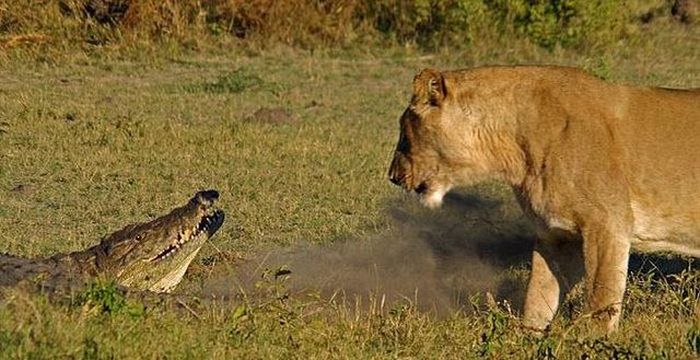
(24, 189)
(685, 11)
(313, 103)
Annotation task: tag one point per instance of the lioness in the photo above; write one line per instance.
(600, 167)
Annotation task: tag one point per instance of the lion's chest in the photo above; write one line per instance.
(546, 213)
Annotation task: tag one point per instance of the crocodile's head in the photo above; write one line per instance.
(155, 255)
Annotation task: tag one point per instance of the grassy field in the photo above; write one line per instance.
(298, 143)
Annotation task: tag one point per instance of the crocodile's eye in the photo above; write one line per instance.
(139, 237)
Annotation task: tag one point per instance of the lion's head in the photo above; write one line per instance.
(449, 137)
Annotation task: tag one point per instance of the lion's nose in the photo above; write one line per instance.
(395, 174)
(394, 179)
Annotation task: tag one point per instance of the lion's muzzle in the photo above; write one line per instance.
(399, 169)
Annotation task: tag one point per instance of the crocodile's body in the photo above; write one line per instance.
(149, 256)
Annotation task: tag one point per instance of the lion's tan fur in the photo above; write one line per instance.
(600, 167)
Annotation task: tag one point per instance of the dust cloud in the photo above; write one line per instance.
(436, 260)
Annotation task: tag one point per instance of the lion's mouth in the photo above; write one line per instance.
(431, 195)
(421, 189)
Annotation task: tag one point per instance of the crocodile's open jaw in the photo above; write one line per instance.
(155, 255)
(181, 253)
(206, 227)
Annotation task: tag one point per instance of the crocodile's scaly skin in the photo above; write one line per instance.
(147, 256)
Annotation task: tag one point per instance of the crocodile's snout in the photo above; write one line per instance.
(207, 197)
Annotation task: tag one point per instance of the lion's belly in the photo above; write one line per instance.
(646, 245)
(657, 231)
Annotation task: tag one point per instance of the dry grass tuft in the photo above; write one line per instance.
(19, 40)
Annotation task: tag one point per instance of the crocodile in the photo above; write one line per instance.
(150, 256)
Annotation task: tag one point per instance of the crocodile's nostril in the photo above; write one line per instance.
(207, 197)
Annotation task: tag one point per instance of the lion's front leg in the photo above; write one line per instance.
(557, 265)
(606, 255)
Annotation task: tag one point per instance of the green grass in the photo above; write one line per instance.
(232, 82)
(104, 140)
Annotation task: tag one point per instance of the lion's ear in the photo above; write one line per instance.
(429, 87)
